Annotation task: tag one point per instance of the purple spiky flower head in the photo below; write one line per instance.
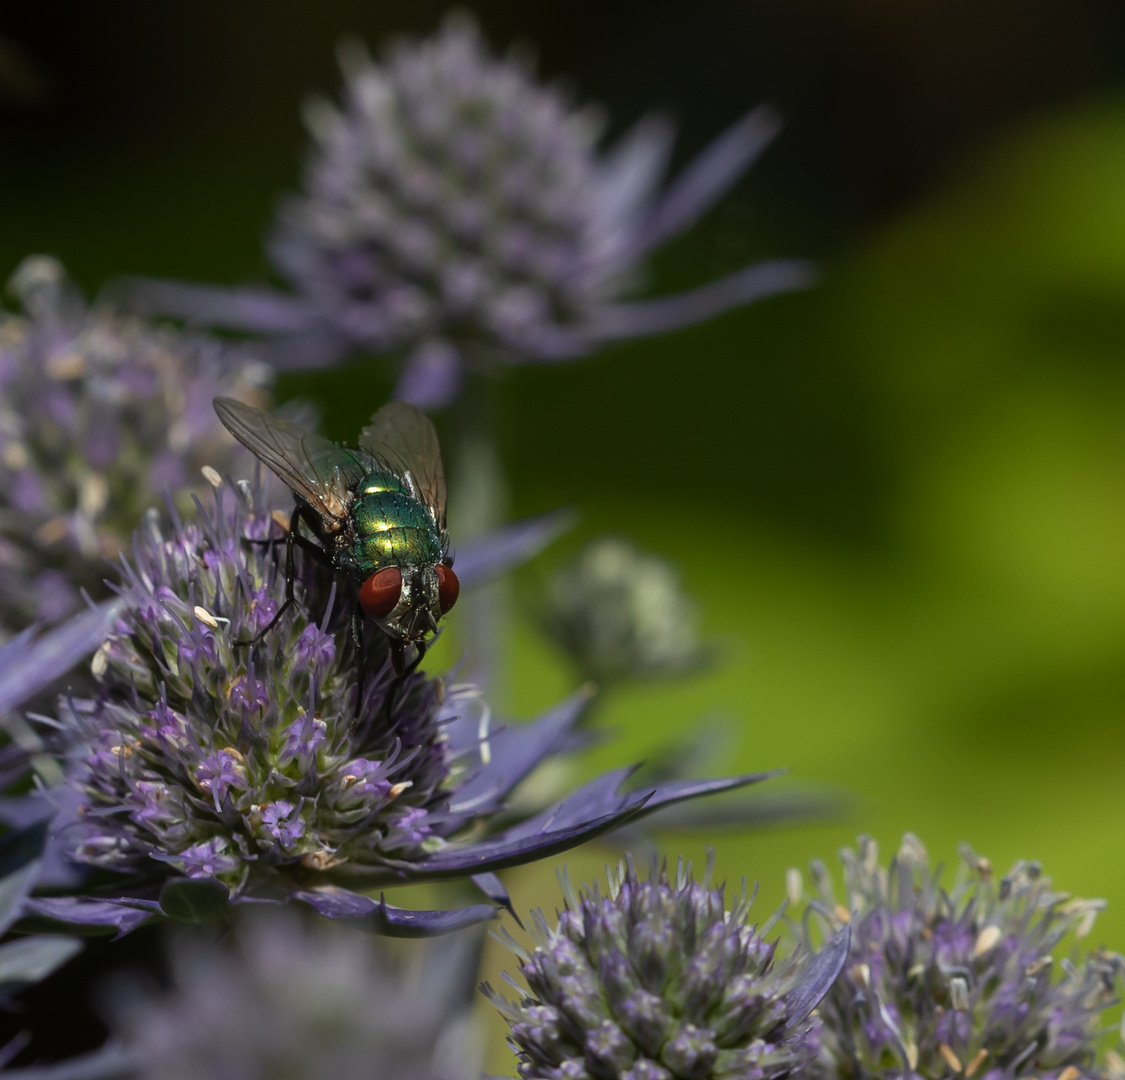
(306, 1000)
(99, 413)
(659, 980)
(207, 771)
(965, 980)
(460, 212)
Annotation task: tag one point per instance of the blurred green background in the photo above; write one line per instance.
(898, 498)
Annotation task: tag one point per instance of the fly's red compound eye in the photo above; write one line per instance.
(381, 591)
(448, 588)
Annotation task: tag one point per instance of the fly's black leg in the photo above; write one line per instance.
(294, 524)
(420, 650)
(402, 671)
(357, 640)
(269, 541)
(303, 542)
(398, 666)
(292, 539)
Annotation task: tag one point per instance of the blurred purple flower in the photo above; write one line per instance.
(458, 210)
(304, 1000)
(208, 771)
(657, 979)
(964, 981)
(98, 414)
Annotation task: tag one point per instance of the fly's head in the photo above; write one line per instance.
(408, 601)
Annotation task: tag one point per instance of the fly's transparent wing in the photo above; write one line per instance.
(313, 467)
(405, 439)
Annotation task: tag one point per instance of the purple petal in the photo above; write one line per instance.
(740, 813)
(257, 309)
(551, 343)
(432, 376)
(821, 974)
(14, 889)
(604, 796)
(708, 177)
(20, 811)
(379, 917)
(513, 752)
(594, 809)
(28, 666)
(153, 907)
(495, 890)
(336, 902)
(631, 173)
(92, 913)
(513, 849)
(633, 168)
(479, 560)
(643, 317)
(62, 804)
(678, 790)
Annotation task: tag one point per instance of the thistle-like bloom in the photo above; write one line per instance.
(305, 1001)
(459, 211)
(964, 981)
(207, 770)
(620, 613)
(99, 414)
(657, 979)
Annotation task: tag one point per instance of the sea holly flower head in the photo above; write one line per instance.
(304, 1000)
(206, 770)
(657, 979)
(458, 210)
(621, 613)
(99, 413)
(965, 980)
(219, 760)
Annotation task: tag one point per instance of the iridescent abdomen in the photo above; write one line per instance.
(392, 528)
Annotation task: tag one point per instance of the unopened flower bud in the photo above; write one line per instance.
(620, 613)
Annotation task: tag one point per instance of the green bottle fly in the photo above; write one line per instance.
(377, 512)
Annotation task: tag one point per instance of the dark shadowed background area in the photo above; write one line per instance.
(899, 498)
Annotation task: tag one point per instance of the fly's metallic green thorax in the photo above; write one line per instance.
(392, 528)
